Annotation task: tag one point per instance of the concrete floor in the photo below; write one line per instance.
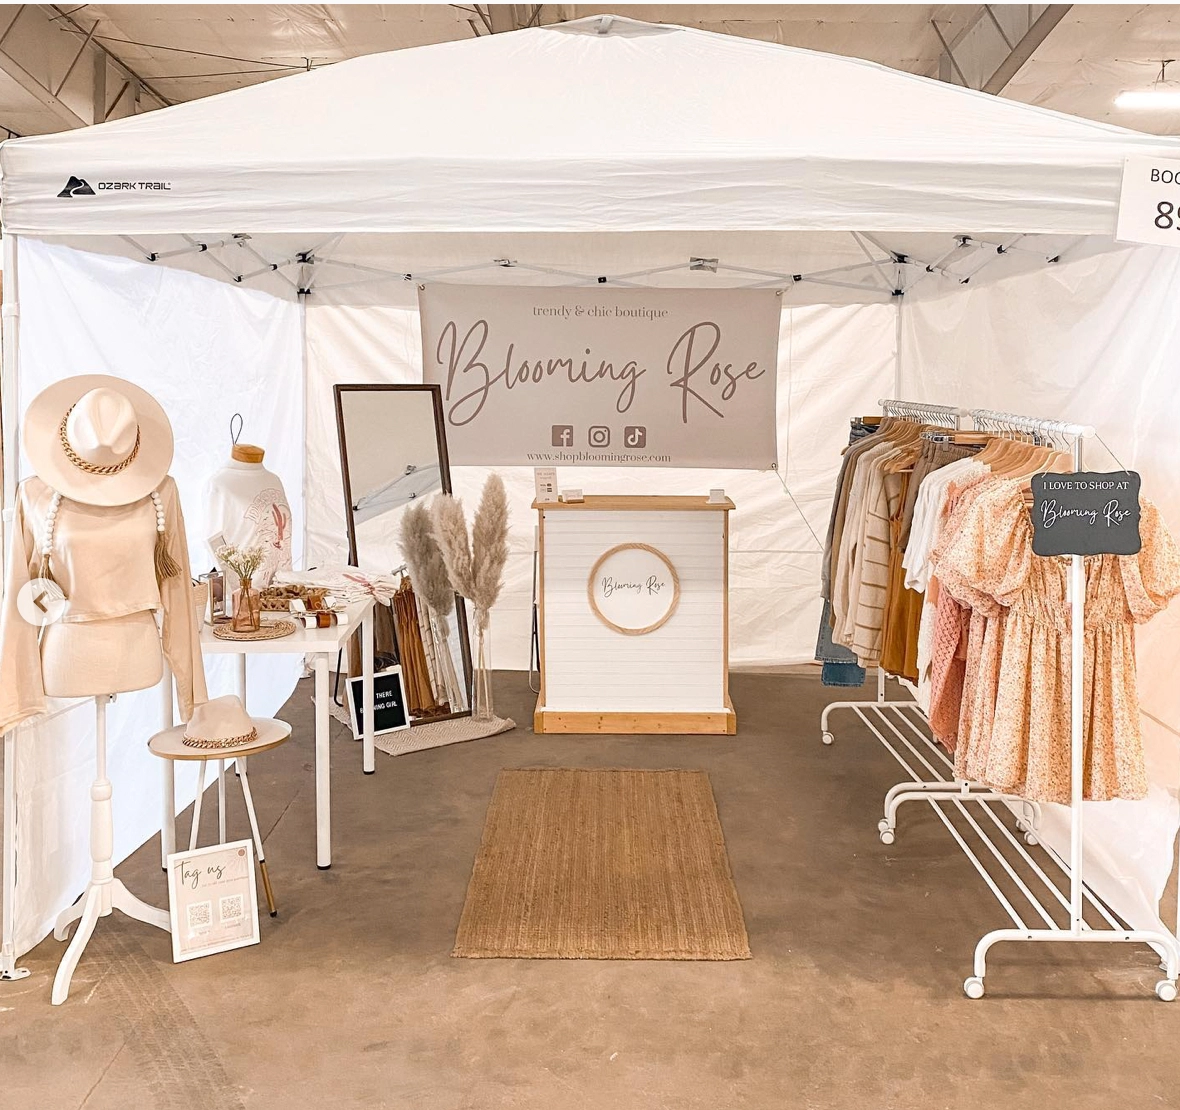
(852, 1000)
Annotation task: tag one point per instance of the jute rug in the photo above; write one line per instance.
(602, 865)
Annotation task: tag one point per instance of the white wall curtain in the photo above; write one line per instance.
(833, 362)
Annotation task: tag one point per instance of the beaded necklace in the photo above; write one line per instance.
(166, 566)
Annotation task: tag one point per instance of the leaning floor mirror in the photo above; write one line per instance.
(393, 455)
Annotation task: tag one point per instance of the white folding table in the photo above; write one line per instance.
(322, 644)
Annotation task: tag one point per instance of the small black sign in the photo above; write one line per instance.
(389, 703)
(1086, 513)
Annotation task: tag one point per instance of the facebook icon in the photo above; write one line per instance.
(563, 435)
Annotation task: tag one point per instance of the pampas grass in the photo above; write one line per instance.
(475, 566)
(425, 563)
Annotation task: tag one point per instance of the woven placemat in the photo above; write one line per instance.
(603, 865)
(270, 630)
(437, 734)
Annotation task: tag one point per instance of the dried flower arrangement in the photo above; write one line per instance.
(476, 567)
(243, 561)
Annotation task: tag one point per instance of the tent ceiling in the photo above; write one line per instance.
(642, 127)
(193, 50)
(179, 38)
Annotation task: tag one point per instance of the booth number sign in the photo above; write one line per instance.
(1086, 513)
(1149, 204)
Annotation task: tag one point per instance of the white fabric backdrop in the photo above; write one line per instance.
(1095, 342)
(206, 350)
(833, 362)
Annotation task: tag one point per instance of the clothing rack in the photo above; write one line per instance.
(901, 727)
(945, 415)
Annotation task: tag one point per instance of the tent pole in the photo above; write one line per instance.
(11, 319)
(11, 335)
(899, 335)
(306, 433)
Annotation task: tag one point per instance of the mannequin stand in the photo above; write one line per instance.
(104, 894)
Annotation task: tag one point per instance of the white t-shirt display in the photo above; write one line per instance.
(249, 507)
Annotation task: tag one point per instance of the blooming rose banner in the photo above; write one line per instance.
(602, 377)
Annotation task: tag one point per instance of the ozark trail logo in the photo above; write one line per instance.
(77, 187)
(80, 187)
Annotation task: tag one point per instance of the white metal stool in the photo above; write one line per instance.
(170, 745)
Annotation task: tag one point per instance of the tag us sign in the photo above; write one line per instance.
(1149, 202)
(1086, 513)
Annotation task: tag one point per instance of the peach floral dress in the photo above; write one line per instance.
(1014, 730)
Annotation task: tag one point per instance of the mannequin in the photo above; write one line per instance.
(98, 532)
(249, 507)
(100, 526)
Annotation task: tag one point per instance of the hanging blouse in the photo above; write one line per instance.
(103, 558)
(1019, 741)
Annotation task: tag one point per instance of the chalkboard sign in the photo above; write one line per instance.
(1086, 513)
(389, 703)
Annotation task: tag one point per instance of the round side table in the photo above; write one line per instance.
(271, 733)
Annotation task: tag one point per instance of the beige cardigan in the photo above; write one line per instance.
(103, 558)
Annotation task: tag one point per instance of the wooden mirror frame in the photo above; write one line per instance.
(444, 466)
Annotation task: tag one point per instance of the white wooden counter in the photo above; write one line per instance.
(596, 677)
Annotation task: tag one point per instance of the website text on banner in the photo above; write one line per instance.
(604, 377)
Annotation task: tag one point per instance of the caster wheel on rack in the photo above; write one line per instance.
(1030, 839)
(1165, 990)
(882, 825)
(973, 987)
(887, 836)
(827, 738)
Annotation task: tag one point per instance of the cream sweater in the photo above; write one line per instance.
(103, 559)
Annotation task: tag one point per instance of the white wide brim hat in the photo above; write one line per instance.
(218, 728)
(42, 441)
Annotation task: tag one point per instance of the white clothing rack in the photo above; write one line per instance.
(898, 725)
(918, 410)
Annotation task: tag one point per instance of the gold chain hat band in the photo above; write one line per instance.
(88, 467)
(228, 742)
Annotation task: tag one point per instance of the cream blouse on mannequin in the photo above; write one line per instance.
(248, 506)
(103, 560)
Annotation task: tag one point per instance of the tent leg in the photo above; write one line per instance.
(898, 391)
(11, 322)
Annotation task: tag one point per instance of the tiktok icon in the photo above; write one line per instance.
(635, 435)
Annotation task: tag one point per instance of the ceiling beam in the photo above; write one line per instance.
(510, 17)
(996, 43)
(64, 72)
(1026, 47)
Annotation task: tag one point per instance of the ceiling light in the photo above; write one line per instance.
(1162, 94)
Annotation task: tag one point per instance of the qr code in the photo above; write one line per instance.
(200, 914)
(232, 908)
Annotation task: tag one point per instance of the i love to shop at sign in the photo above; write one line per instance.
(594, 377)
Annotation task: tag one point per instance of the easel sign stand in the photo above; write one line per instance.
(104, 894)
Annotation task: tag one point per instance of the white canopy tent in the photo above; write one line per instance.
(244, 252)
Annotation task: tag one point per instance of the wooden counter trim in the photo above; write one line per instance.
(722, 722)
(611, 503)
